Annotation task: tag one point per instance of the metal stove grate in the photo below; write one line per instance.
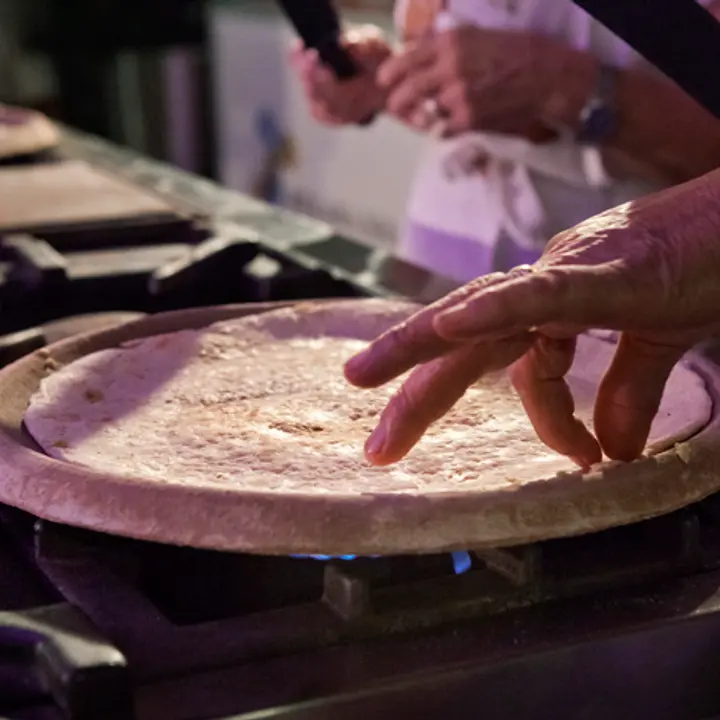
(187, 611)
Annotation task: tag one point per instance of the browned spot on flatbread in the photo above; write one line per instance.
(363, 413)
(296, 428)
(93, 396)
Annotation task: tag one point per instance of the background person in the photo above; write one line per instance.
(537, 117)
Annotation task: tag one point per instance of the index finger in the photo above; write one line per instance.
(410, 343)
(577, 295)
(430, 391)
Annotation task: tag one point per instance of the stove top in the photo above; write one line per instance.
(94, 626)
(250, 250)
(623, 623)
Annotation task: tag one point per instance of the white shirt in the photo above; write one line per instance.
(527, 191)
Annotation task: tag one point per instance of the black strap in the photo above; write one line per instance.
(318, 25)
(679, 37)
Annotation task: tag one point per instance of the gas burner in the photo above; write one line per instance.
(462, 561)
(185, 628)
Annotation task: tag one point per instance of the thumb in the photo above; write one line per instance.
(630, 393)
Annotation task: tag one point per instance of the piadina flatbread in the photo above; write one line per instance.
(258, 406)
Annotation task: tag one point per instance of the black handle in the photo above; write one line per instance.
(335, 57)
(318, 25)
(339, 60)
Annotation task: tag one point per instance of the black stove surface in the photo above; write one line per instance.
(620, 624)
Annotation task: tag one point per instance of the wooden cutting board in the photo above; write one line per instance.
(70, 193)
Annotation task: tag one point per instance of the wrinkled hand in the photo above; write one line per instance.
(650, 269)
(337, 102)
(482, 79)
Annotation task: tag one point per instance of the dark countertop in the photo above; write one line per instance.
(311, 241)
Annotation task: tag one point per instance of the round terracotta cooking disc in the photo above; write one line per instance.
(56, 330)
(269, 523)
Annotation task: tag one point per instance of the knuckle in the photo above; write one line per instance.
(417, 397)
(555, 243)
(392, 342)
(555, 281)
(404, 407)
(405, 399)
(485, 281)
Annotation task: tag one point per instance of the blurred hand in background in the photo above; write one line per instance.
(478, 79)
(339, 102)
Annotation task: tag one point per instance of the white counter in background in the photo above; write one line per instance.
(355, 178)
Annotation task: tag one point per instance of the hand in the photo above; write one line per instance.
(650, 269)
(484, 80)
(337, 102)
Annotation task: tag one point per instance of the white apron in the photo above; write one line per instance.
(526, 192)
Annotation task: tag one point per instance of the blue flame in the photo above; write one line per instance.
(331, 557)
(462, 562)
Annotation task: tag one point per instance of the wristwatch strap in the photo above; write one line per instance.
(598, 118)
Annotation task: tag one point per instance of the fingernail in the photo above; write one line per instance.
(376, 442)
(355, 365)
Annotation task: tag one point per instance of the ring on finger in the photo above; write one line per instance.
(433, 110)
(432, 115)
(520, 271)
